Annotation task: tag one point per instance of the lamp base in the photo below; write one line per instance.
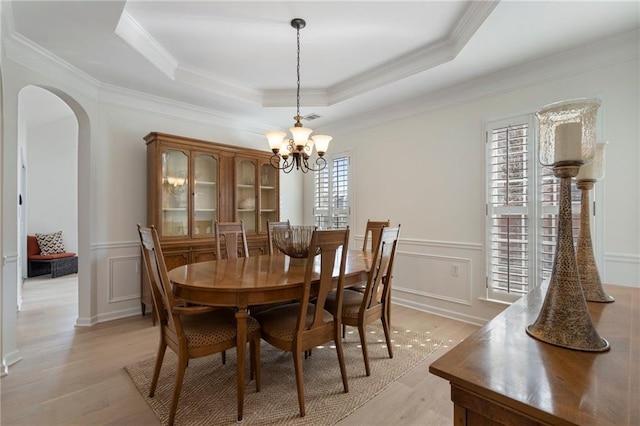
(587, 268)
(564, 318)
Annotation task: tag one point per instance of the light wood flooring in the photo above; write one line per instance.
(74, 375)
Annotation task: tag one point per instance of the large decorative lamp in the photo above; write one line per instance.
(297, 151)
(567, 141)
(589, 277)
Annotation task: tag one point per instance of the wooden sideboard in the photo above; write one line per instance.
(502, 376)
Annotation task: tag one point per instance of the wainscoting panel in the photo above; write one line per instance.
(621, 269)
(124, 278)
(118, 278)
(445, 278)
(438, 277)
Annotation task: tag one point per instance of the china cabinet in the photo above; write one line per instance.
(192, 183)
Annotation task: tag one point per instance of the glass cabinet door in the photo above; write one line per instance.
(205, 195)
(268, 196)
(246, 193)
(175, 192)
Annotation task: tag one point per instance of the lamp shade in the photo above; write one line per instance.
(300, 135)
(275, 138)
(595, 169)
(567, 131)
(322, 143)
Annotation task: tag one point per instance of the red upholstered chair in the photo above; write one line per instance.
(57, 264)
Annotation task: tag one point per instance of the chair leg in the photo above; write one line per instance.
(256, 368)
(297, 364)
(363, 344)
(223, 357)
(177, 387)
(343, 368)
(387, 335)
(156, 371)
(344, 330)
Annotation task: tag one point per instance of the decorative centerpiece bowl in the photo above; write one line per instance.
(293, 240)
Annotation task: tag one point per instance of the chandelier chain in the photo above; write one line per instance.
(298, 72)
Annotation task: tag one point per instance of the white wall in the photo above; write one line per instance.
(52, 181)
(433, 183)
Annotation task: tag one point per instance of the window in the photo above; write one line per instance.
(522, 208)
(332, 195)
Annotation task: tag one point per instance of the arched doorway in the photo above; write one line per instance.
(48, 172)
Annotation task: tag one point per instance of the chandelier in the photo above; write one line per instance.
(297, 151)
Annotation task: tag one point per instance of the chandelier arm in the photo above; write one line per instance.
(320, 162)
(286, 166)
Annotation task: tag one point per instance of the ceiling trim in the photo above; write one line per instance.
(416, 61)
(33, 57)
(130, 99)
(203, 80)
(602, 53)
(134, 34)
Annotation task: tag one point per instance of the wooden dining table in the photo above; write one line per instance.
(243, 282)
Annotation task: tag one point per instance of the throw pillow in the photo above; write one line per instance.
(50, 243)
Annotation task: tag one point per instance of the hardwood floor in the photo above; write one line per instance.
(75, 376)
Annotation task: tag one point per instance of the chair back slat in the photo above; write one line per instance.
(378, 287)
(234, 236)
(332, 246)
(373, 231)
(159, 280)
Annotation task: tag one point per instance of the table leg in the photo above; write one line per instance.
(241, 349)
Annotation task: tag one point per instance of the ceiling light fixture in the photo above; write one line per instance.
(297, 151)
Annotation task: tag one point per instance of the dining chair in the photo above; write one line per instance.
(234, 236)
(270, 226)
(360, 309)
(372, 231)
(302, 325)
(189, 331)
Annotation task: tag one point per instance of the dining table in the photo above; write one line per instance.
(257, 280)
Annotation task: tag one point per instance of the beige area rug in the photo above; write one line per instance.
(209, 389)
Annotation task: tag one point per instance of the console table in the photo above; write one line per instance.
(501, 375)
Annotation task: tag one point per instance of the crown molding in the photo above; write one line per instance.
(206, 81)
(131, 99)
(134, 34)
(617, 49)
(30, 55)
(418, 60)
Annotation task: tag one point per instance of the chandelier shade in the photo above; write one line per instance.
(295, 152)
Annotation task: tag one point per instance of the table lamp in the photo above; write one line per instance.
(587, 269)
(566, 142)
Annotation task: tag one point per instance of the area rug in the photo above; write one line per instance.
(209, 389)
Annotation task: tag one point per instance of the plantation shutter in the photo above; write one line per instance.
(511, 172)
(332, 202)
